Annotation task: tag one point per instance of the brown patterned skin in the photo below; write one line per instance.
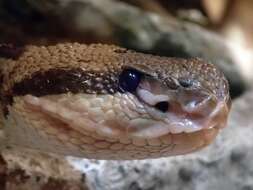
(66, 99)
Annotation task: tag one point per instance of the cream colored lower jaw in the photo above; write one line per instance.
(22, 135)
(76, 111)
(34, 129)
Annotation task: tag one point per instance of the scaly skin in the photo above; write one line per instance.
(67, 99)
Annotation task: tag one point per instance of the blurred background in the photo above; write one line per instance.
(219, 31)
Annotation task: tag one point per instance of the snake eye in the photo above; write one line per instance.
(129, 80)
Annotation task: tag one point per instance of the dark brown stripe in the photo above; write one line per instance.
(11, 51)
(58, 81)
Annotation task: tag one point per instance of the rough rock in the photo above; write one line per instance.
(117, 22)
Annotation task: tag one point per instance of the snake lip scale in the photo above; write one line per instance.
(106, 102)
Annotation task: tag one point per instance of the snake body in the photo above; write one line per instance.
(76, 99)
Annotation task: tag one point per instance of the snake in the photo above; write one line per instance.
(101, 101)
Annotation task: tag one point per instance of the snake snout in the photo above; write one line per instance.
(198, 103)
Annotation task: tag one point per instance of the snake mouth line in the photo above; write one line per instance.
(79, 116)
(91, 144)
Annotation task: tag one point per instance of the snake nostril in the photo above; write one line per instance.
(186, 83)
(162, 106)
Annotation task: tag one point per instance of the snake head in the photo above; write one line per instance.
(106, 102)
(178, 96)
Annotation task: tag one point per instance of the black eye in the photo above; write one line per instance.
(162, 106)
(186, 83)
(129, 80)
